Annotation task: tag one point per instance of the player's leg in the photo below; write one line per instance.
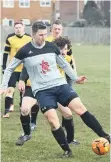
(34, 109)
(34, 114)
(77, 106)
(48, 104)
(21, 95)
(56, 129)
(9, 96)
(68, 124)
(27, 104)
(74, 103)
(70, 82)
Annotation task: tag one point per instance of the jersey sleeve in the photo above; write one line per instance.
(5, 56)
(7, 49)
(24, 75)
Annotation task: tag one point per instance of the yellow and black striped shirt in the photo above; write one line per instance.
(13, 44)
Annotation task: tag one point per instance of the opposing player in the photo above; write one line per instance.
(14, 42)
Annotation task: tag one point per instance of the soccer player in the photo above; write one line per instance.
(68, 123)
(14, 42)
(28, 100)
(40, 59)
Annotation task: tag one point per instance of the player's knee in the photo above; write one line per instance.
(77, 106)
(81, 110)
(68, 114)
(10, 92)
(53, 123)
(24, 111)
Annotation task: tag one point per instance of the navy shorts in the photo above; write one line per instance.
(47, 99)
(14, 79)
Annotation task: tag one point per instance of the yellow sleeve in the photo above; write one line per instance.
(68, 58)
(61, 70)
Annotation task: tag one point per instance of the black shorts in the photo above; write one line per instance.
(28, 92)
(47, 99)
(14, 79)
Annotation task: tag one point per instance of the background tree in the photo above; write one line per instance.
(93, 14)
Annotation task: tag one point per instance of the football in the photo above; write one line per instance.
(100, 146)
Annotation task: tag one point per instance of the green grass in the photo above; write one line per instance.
(93, 61)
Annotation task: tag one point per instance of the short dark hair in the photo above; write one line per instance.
(57, 22)
(38, 25)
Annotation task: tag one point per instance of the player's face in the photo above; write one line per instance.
(40, 36)
(57, 30)
(19, 29)
(64, 50)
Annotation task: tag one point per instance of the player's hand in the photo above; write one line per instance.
(21, 86)
(81, 79)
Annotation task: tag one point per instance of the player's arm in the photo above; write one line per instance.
(22, 80)
(17, 60)
(24, 75)
(7, 49)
